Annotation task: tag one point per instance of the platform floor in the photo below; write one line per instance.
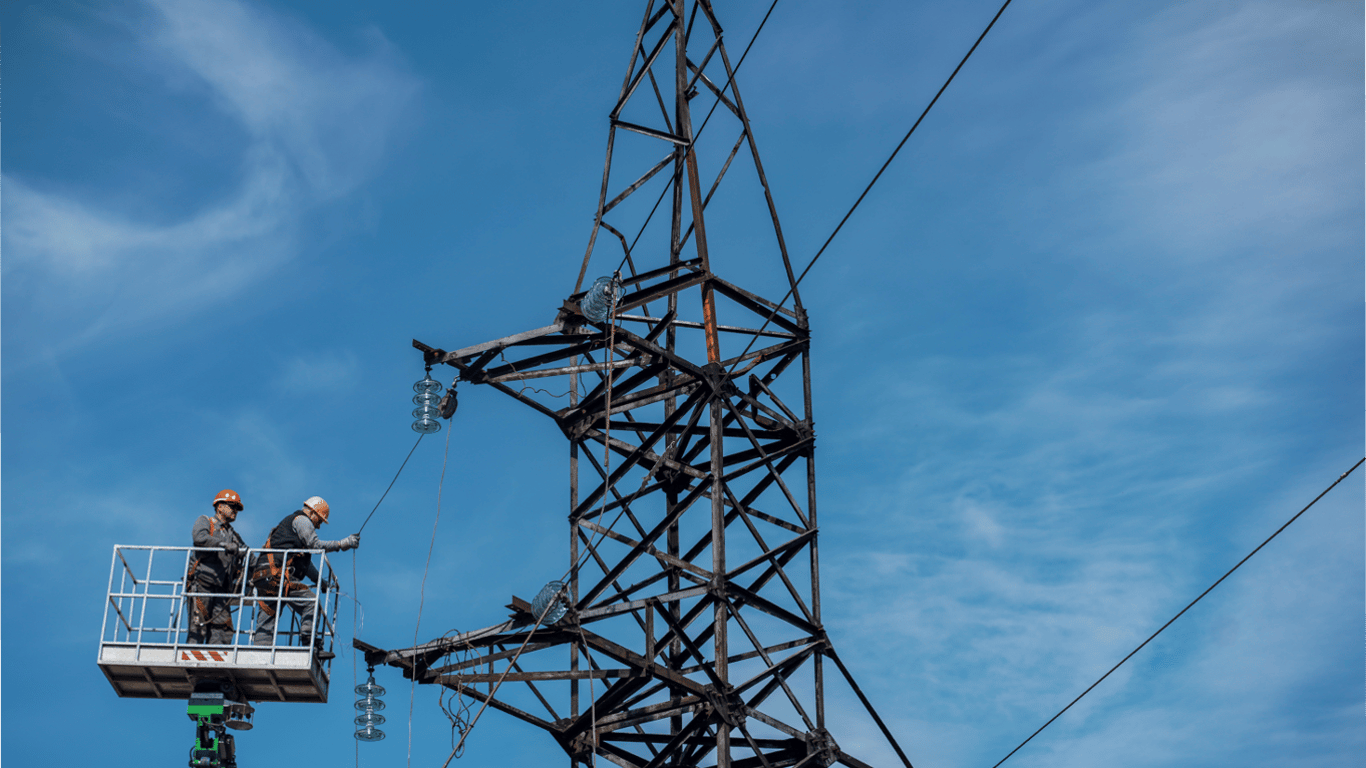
(158, 671)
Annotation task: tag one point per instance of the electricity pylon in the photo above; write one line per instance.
(688, 630)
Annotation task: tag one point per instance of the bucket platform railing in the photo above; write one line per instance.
(145, 653)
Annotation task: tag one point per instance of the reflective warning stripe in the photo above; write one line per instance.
(203, 656)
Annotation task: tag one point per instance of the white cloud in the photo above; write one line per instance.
(318, 123)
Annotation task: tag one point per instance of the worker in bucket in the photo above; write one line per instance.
(277, 575)
(211, 576)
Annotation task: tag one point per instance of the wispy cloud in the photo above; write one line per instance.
(1042, 509)
(318, 123)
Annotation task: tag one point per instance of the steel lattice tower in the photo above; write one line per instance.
(693, 633)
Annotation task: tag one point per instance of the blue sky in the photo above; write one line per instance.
(1096, 333)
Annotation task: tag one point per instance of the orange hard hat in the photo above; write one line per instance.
(230, 496)
(317, 504)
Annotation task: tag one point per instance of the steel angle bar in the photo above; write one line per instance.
(691, 265)
(471, 678)
(584, 368)
(796, 446)
(770, 554)
(776, 674)
(645, 67)
(768, 461)
(697, 68)
(626, 249)
(497, 656)
(760, 355)
(853, 762)
(724, 167)
(773, 556)
(724, 328)
(755, 746)
(659, 98)
(763, 653)
(506, 341)
(504, 707)
(554, 716)
(663, 557)
(621, 566)
(774, 723)
(754, 599)
(591, 402)
(868, 705)
(678, 631)
(763, 179)
(781, 365)
(756, 382)
(678, 741)
(755, 513)
(758, 304)
(527, 364)
(605, 611)
(650, 174)
(630, 717)
(651, 132)
(716, 91)
(660, 290)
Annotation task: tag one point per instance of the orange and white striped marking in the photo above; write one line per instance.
(202, 656)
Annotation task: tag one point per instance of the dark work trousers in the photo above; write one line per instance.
(302, 601)
(210, 615)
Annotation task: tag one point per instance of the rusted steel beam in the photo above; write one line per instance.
(645, 67)
(650, 174)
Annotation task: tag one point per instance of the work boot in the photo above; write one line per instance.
(321, 651)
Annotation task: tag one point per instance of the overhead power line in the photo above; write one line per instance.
(876, 176)
(1342, 477)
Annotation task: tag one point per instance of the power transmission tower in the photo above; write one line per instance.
(688, 631)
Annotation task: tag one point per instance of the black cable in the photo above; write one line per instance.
(1342, 477)
(391, 482)
(866, 189)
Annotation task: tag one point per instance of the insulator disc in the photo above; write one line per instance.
(369, 734)
(428, 385)
(426, 426)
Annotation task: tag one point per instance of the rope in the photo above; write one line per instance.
(868, 188)
(422, 591)
(607, 431)
(1342, 477)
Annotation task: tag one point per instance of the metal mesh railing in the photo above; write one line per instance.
(146, 604)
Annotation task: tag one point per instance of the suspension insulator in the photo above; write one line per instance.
(370, 704)
(427, 399)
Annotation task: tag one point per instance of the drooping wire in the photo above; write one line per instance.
(357, 613)
(1220, 580)
(422, 590)
(868, 188)
(391, 482)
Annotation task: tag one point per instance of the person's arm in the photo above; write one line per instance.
(309, 536)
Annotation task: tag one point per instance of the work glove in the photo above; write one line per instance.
(351, 542)
(325, 585)
(231, 547)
